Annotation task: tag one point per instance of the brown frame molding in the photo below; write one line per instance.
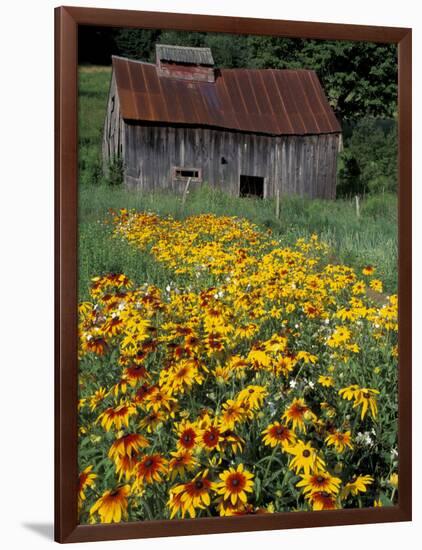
(67, 20)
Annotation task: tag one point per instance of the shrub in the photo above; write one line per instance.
(368, 163)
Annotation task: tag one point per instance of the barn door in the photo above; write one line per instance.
(251, 186)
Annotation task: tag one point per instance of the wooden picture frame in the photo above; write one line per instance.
(67, 20)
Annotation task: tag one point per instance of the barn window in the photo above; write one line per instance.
(251, 186)
(193, 174)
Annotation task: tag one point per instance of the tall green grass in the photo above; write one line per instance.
(369, 239)
(355, 241)
(94, 84)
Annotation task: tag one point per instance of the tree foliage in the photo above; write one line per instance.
(368, 163)
(359, 78)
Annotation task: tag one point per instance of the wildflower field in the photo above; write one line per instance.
(231, 362)
(252, 376)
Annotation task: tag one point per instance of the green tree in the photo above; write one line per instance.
(359, 78)
(136, 43)
(368, 163)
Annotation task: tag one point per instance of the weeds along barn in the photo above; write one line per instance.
(244, 131)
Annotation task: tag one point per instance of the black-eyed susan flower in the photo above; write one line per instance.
(187, 435)
(238, 365)
(125, 465)
(259, 359)
(152, 421)
(349, 393)
(210, 434)
(284, 365)
(95, 344)
(278, 434)
(150, 469)
(305, 458)
(234, 484)
(120, 387)
(376, 285)
(81, 403)
(277, 343)
(295, 414)
(159, 399)
(367, 399)
(180, 463)
(113, 326)
(326, 381)
(214, 343)
(175, 503)
(318, 481)
(393, 480)
(193, 495)
(86, 479)
(246, 330)
(232, 413)
(226, 508)
(368, 270)
(222, 374)
(322, 500)
(117, 417)
(127, 445)
(359, 287)
(340, 440)
(339, 337)
(356, 485)
(181, 377)
(253, 395)
(229, 439)
(112, 505)
(135, 374)
(142, 392)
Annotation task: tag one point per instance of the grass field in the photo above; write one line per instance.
(369, 239)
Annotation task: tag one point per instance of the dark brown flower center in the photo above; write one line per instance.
(320, 479)
(148, 463)
(235, 482)
(306, 453)
(279, 430)
(199, 484)
(324, 494)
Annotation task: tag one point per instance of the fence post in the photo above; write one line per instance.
(357, 206)
(185, 192)
(277, 203)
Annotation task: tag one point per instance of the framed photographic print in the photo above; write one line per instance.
(233, 274)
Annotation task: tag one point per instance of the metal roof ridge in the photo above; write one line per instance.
(130, 60)
(183, 47)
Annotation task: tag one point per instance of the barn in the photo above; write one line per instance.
(245, 131)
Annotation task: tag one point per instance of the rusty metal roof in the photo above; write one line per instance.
(267, 101)
(184, 54)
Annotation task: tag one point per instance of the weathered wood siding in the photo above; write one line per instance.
(113, 145)
(304, 165)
